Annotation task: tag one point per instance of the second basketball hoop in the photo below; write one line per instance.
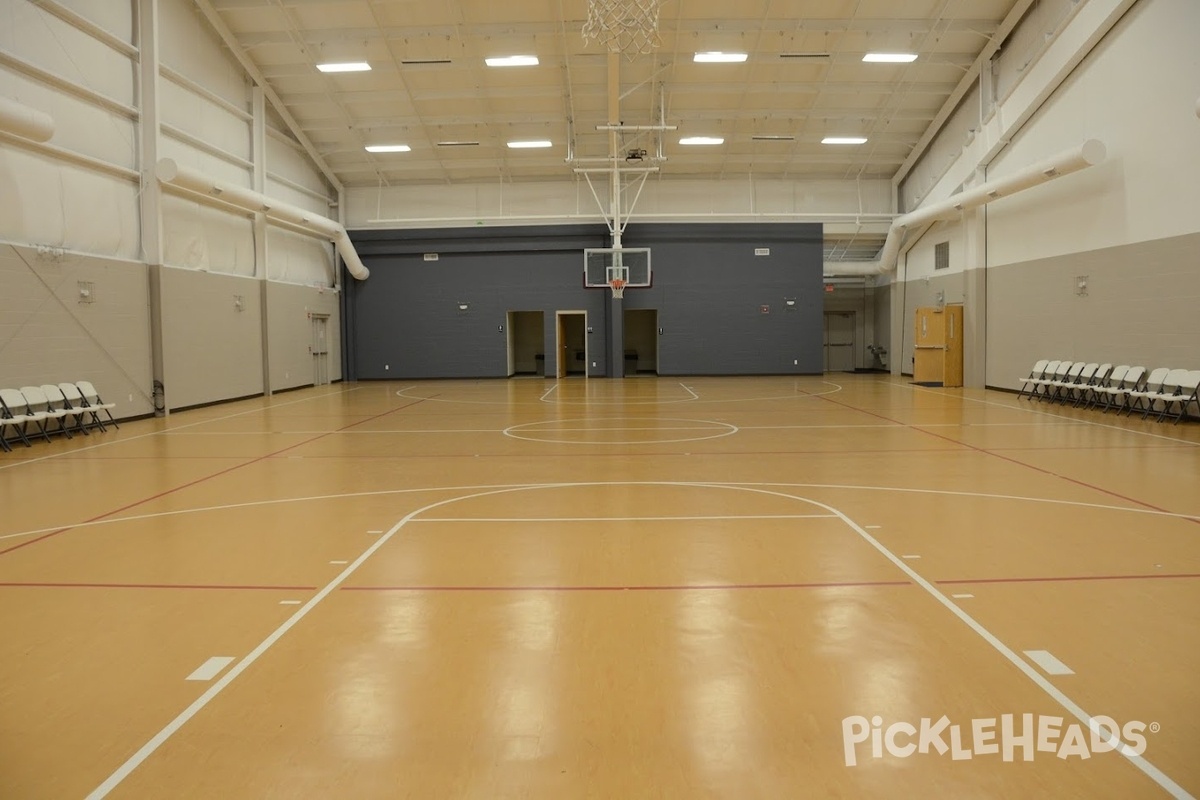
(618, 288)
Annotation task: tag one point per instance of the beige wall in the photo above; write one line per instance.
(48, 336)
(289, 333)
(211, 350)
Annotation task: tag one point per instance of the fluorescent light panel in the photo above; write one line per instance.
(702, 140)
(717, 57)
(844, 140)
(529, 144)
(347, 66)
(388, 148)
(890, 58)
(512, 61)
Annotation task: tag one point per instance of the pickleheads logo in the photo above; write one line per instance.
(1007, 736)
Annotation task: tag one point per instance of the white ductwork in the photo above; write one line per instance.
(1085, 155)
(28, 123)
(171, 172)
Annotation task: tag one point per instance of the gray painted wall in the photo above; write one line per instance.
(47, 335)
(709, 288)
(1142, 307)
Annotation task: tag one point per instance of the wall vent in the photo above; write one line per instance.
(941, 255)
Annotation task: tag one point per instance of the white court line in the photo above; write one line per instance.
(290, 602)
(624, 519)
(872, 527)
(210, 669)
(1055, 416)
(625, 402)
(689, 391)
(910, 556)
(542, 399)
(385, 492)
(374, 531)
(962, 596)
(1153, 772)
(155, 742)
(1046, 660)
(338, 563)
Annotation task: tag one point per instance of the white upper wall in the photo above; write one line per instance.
(1137, 93)
(570, 199)
(79, 192)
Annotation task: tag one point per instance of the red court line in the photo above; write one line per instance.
(1042, 470)
(1068, 578)
(46, 585)
(144, 500)
(639, 588)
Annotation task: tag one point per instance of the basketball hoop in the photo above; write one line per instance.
(618, 288)
(624, 26)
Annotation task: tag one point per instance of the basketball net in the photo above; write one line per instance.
(618, 288)
(624, 26)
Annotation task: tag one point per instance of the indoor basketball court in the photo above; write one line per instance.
(653, 587)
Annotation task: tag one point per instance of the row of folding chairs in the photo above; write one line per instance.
(64, 408)
(1163, 393)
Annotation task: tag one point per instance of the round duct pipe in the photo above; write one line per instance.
(28, 123)
(172, 172)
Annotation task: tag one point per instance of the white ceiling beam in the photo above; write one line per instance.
(230, 40)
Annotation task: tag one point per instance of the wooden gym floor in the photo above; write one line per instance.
(649, 588)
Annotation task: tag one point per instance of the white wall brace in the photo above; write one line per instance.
(1085, 155)
(171, 172)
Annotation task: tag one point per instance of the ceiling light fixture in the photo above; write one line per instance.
(458, 144)
(702, 140)
(529, 144)
(890, 58)
(717, 57)
(512, 61)
(766, 137)
(844, 140)
(388, 148)
(348, 66)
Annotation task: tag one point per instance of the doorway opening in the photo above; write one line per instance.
(320, 348)
(526, 343)
(641, 341)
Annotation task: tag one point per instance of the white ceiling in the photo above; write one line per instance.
(826, 91)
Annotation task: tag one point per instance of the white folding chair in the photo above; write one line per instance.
(1132, 383)
(1176, 389)
(37, 400)
(1105, 391)
(58, 402)
(19, 411)
(1082, 379)
(78, 403)
(1043, 382)
(1039, 370)
(1152, 386)
(1064, 379)
(93, 401)
(1189, 392)
(1088, 389)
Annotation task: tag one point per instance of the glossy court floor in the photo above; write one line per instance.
(648, 588)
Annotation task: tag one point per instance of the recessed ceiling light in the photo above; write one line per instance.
(388, 148)
(348, 66)
(529, 144)
(891, 58)
(702, 140)
(512, 61)
(717, 57)
(844, 140)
